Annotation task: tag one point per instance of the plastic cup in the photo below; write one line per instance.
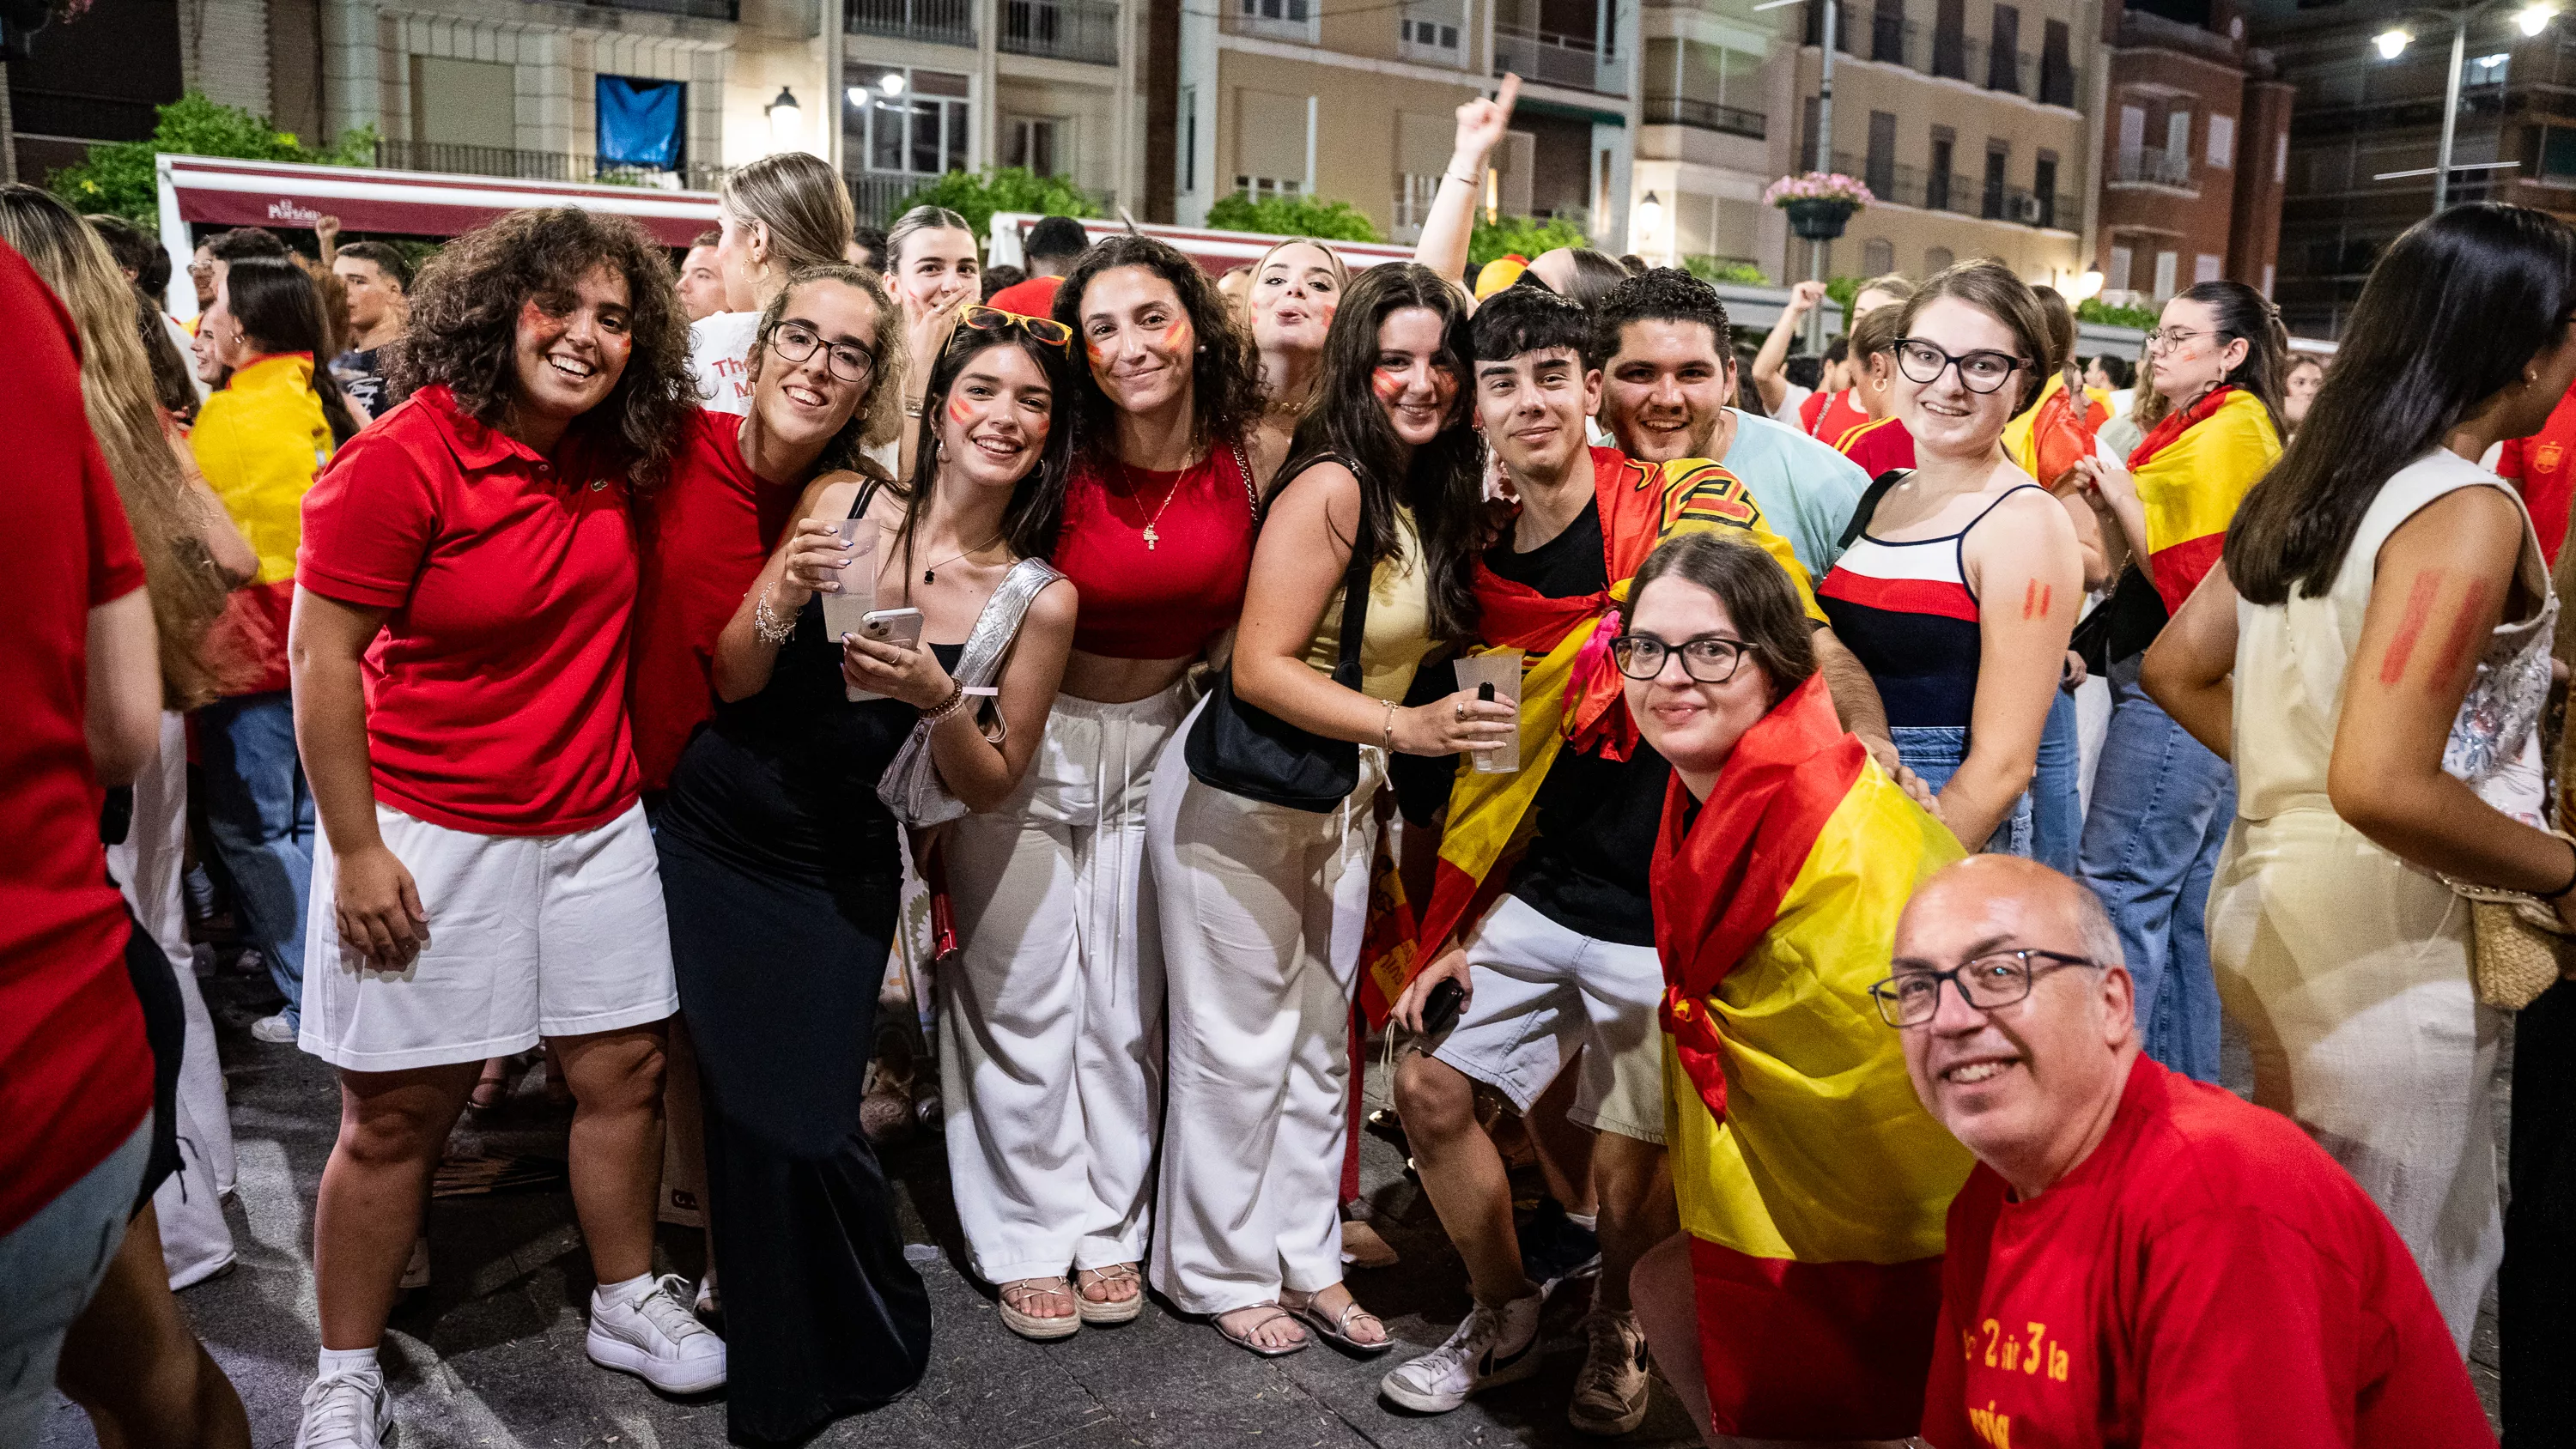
(1500, 668)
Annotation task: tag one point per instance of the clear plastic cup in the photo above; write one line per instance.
(1500, 668)
(843, 611)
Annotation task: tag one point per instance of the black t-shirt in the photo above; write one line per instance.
(362, 376)
(1597, 818)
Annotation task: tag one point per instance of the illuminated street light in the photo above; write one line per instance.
(786, 120)
(2534, 18)
(2391, 43)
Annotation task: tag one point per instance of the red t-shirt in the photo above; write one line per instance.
(75, 1075)
(2207, 1277)
(496, 695)
(2545, 465)
(1827, 416)
(1032, 298)
(706, 535)
(1879, 446)
(1168, 600)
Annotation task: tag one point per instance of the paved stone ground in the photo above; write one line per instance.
(490, 1355)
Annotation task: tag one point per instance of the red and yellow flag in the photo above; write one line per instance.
(2193, 469)
(1811, 1181)
(2055, 430)
(1570, 690)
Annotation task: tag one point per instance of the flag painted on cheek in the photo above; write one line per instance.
(2192, 472)
(1811, 1181)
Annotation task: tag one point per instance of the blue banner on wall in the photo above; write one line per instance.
(642, 122)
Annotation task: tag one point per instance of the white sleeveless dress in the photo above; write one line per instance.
(2347, 967)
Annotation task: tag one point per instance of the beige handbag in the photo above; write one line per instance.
(2518, 947)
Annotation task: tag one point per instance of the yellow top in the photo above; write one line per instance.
(260, 441)
(1398, 631)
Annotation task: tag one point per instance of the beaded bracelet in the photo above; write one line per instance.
(955, 701)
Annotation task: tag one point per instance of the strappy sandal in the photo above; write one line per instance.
(1030, 1325)
(1108, 1310)
(1336, 1329)
(1245, 1339)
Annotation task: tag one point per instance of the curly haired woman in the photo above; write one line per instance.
(484, 876)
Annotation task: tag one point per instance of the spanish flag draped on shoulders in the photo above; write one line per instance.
(2192, 470)
(1570, 689)
(1813, 1184)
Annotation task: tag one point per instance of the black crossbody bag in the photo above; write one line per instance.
(1245, 750)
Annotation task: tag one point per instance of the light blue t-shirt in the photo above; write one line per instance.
(1806, 490)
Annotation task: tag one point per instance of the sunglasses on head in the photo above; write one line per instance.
(1044, 330)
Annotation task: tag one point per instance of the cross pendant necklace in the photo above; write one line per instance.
(1151, 537)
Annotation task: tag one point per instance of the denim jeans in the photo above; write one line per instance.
(1935, 753)
(49, 1266)
(261, 817)
(2056, 801)
(2162, 804)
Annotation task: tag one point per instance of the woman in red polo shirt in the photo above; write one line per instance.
(484, 876)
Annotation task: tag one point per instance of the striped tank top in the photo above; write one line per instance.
(1905, 610)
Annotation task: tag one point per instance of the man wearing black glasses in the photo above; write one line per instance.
(2138, 1258)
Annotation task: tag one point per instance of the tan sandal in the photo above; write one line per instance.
(1108, 1310)
(1033, 1326)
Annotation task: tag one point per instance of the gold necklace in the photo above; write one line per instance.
(1151, 537)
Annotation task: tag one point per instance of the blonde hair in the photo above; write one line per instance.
(169, 519)
(1894, 284)
(801, 200)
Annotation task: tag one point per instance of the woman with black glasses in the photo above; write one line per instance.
(1961, 589)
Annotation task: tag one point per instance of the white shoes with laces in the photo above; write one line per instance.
(654, 1336)
(345, 1411)
(1495, 1346)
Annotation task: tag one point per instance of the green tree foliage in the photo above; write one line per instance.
(117, 177)
(1711, 269)
(976, 195)
(1520, 235)
(1293, 216)
(2093, 309)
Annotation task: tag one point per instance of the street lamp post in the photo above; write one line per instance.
(1824, 154)
(2532, 15)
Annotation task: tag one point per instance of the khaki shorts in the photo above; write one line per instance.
(1541, 992)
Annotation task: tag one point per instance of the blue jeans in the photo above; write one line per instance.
(2056, 803)
(1935, 753)
(261, 817)
(2162, 804)
(49, 1266)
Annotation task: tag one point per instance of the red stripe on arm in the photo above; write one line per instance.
(2460, 651)
(2419, 611)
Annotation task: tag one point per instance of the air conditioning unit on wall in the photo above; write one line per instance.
(2026, 209)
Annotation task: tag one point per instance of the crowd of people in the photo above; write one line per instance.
(588, 652)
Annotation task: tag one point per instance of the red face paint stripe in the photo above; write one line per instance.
(2419, 610)
(2460, 651)
(959, 412)
(2030, 600)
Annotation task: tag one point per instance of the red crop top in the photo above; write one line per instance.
(1168, 600)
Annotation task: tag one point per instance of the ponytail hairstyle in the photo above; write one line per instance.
(800, 200)
(2243, 312)
(278, 310)
(2061, 335)
(2455, 310)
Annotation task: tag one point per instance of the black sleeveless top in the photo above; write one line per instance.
(786, 781)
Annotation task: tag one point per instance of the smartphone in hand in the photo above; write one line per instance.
(898, 627)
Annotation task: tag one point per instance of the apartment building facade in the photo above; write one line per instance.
(1355, 101)
(2366, 131)
(2194, 151)
(1717, 73)
(1974, 123)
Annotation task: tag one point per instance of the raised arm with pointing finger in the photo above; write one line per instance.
(1452, 221)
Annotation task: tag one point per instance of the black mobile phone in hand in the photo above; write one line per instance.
(1485, 692)
(1440, 1008)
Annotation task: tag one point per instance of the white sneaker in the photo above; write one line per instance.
(1610, 1393)
(416, 1269)
(274, 1029)
(655, 1337)
(1494, 1346)
(345, 1411)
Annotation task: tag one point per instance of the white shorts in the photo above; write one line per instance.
(1540, 993)
(530, 936)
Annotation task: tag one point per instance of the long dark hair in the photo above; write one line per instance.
(1035, 513)
(278, 310)
(1442, 483)
(2453, 312)
(2243, 312)
(1226, 378)
(465, 325)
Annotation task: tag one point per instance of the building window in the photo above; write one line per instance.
(1189, 139)
(2165, 276)
(2003, 61)
(1430, 32)
(1413, 196)
(1262, 187)
(2178, 145)
(1935, 259)
(1998, 156)
(2043, 182)
(1936, 178)
(2557, 151)
(2487, 70)
(2222, 142)
(1035, 142)
(2057, 66)
(2116, 277)
(1879, 171)
(2205, 268)
(1292, 17)
(908, 122)
(1950, 39)
(1877, 256)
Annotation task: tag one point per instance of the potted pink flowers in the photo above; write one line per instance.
(1819, 203)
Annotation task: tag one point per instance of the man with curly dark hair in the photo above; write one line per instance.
(484, 877)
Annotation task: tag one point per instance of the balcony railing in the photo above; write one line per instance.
(1893, 40)
(700, 9)
(1083, 30)
(1959, 195)
(1561, 60)
(519, 165)
(946, 22)
(874, 195)
(2152, 164)
(1704, 116)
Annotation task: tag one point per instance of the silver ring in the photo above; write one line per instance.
(1462, 711)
